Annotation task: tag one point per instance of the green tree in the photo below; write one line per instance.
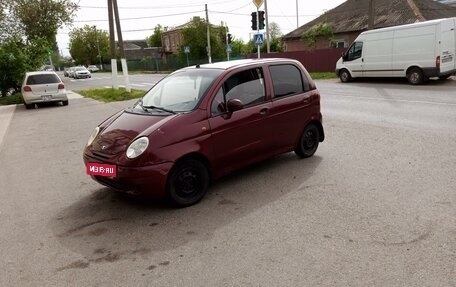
(41, 19)
(155, 39)
(320, 31)
(13, 65)
(86, 42)
(195, 36)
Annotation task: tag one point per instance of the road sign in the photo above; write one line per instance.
(258, 3)
(228, 48)
(258, 39)
(186, 49)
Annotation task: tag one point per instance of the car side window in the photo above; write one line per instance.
(287, 80)
(355, 51)
(247, 86)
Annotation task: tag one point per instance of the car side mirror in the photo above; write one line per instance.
(234, 105)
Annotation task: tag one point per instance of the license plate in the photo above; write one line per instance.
(46, 98)
(101, 169)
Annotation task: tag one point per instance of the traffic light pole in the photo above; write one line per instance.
(258, 28)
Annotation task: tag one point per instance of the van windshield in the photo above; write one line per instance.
(182, 90)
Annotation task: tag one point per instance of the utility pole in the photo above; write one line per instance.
(297, 15)
(123, 61)
(208, 36)
(112, 42)
(370, 25)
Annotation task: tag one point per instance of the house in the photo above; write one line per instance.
(351, 18)
(172, 39)
(138, 50)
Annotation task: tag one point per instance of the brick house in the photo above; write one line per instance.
(350, 18)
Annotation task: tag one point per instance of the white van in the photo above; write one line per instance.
(416, 51)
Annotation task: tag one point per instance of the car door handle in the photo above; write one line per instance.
(264, 111)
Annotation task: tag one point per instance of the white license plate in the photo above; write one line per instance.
(46, 98)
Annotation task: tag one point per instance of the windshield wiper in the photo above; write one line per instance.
(140, 103)
(158, 108)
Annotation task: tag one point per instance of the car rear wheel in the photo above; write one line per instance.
(29, 106)
(415, 76)
(65, 103)
(188, 183)
(308, 143)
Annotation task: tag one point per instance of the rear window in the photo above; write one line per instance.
(42, 79)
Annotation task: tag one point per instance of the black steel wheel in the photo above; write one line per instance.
(188, 183)
(415, 76)
(308, 143)
(344, 76)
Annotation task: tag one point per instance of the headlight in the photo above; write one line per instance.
(137, 147)
(93, 135)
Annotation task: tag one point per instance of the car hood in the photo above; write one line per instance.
(120, 132)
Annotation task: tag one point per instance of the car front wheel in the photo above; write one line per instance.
(188, 183)
(308, 143)
(344, 76)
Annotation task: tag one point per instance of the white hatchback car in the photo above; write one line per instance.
(42, 87)
(81, 72)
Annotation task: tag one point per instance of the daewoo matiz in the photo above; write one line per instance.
(200, 123)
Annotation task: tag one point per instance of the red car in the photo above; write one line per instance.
(202, 122)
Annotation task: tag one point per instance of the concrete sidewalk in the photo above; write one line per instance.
(6, 114)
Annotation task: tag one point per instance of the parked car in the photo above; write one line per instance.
(41, 87)
(66, 72)
(47, 68)
(93, 68)
(71, 72)
(200, 123)
(81, 72)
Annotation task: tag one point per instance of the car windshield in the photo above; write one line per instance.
(180, 91)
(80, 69)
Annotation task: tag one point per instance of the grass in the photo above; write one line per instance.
(111, 95)
(14, 99)
(323, 75)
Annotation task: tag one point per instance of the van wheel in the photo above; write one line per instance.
(308, 143)
(188, 183)
(415, 76)
(344, 76)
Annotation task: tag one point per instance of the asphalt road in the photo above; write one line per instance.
(376, 205)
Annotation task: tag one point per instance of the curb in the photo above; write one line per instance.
(6, 114)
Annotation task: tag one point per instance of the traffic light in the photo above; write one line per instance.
(254, 20)
(229, 38)
(261, 20)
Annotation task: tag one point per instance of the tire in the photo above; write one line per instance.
(308, 142)
(65, 103)
(188, 183)
(444, 77)
(29, 106)
(415, 76)
(344, 76)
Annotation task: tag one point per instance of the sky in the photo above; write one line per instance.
(138, 18)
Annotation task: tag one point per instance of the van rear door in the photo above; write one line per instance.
(447, 46)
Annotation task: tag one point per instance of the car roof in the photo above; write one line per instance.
(40, 73)
(239, 63)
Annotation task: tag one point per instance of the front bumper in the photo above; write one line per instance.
(148, 180)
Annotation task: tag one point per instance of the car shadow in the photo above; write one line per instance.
(106, 226)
